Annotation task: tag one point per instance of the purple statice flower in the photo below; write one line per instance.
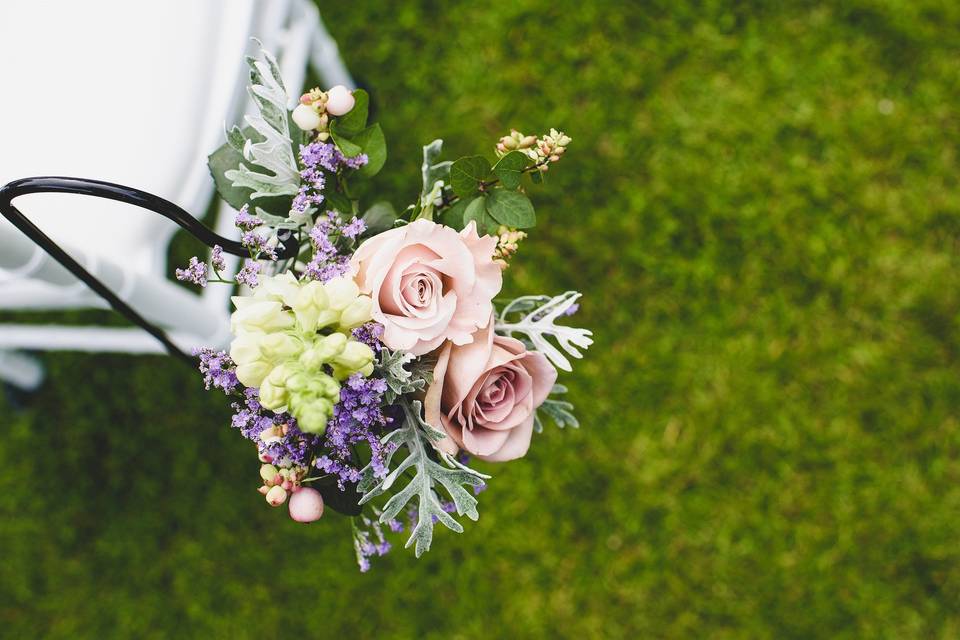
(357, 417)
(572, 309)
(245, 221)
(217, 258)
(327, 156)
(284, 442)
(317, 158)
(328, 262)
(366, 545)
(321, 154)
(218, 370)
(248, 274)
(354, 228)
(311, 190)
(196, 272)
(356, 162)
(369, 334)
(258, 245)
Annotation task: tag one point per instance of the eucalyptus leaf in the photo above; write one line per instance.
(337, 201)
(379, 218)
(452, 216)
(509, 169)
(219, 162)
(511, 208)
(467, 173)
(477, 211)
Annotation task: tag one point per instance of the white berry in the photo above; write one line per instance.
(339, 100)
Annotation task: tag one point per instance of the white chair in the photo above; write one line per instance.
(136, 94)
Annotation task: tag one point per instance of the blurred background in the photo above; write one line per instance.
(761, 206)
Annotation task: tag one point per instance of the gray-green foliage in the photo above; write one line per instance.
(271, 154)
(557, 410)
(402, 373)
(537, 324)
(416, 438)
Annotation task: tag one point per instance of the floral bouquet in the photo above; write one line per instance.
(371, 360)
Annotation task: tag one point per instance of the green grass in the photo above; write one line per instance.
(761, 205)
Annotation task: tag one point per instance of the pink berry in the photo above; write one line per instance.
(306, 505)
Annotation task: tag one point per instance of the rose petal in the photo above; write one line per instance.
(516, 445)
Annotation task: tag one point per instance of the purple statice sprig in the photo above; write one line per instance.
(276, 435)
(357, 418)
(218, 370)
(249, 274)
(369, 334)
(195, 272)
(320, 161)
(332, 241)
(369, 539)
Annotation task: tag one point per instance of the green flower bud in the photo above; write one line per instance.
(330, 346)
(313, 417)
(271, 396)
(309, 303)
(356, 313)
(341, 292)
(354, 357)
(280, 346)
(253, 373)
(260, 315)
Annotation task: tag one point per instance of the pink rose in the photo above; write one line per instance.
(428, 284)
(484, 395)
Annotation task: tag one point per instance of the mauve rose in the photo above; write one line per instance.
(484, 395)
(428, 283)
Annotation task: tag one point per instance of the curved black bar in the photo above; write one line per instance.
(129, 195)
(100, 189)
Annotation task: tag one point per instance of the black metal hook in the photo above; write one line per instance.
(129, 195)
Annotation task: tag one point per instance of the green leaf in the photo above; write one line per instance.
(219, 162)
(347, 147)
(511, 208)
(453, 216)
(536, 176)
(336, 200)
(477, 211)
(467, 173)
(510, 168)
(346, 502)
(379, 218)
(354, 121)
(373, 144)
